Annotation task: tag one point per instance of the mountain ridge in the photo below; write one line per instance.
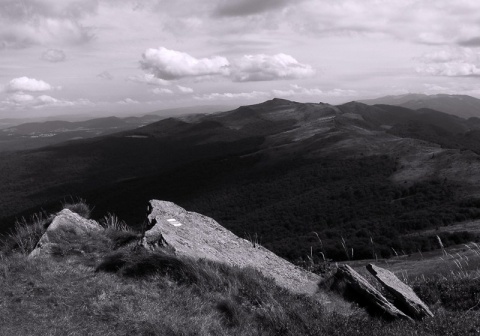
(459, 105)
(343, 167)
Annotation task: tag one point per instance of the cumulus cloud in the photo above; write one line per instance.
(165, 64)
(229, 95)
(160, 91)
(170, 64)
(54, 55)
(185, 89)
(20, 100)
(247, 7)
(149, 79)
(105, 75)
(296, 90)
(27, 84)
(128, 101)
(265, 68)
(452, 62)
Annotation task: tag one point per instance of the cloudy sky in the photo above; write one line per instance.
(72, 56)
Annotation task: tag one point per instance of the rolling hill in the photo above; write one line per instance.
(279, 171)
(22, 134)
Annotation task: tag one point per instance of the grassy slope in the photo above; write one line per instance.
(64, 295)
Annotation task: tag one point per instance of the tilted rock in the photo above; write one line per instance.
(197, 236)
(65, 223)
(368, 293)
(406, 299)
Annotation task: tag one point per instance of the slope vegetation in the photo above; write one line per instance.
(281, 171)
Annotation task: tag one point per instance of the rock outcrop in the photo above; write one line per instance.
(368, 293)
(66, 223)
(197, 236)
(406, 299)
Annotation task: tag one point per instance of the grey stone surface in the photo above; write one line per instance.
(368, 293)
(64, 222)
(197, 236)
(406, 299)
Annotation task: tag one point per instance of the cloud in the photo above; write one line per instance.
(165, 64)
(128, 101)
(160, 91)
(20, 100)
(265, 68)
(452, 62)
(48, 100)
(27, 84)
(149, 79)
(44, 22)
(185, 89)
(472, 42)
(247, 7)
(54, 55)
(105, 75)
(296, 90)
(420, 21)
(229, 95)
(170, 64)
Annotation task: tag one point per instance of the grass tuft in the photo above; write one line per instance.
(118, 231)
(143, 264)
(229, 312)
(78, 206)
(454, 292)
(26, 234)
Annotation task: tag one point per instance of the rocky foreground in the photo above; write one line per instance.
(176, 231)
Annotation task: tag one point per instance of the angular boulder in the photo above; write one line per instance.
(197, 236)
(406, 299)
(368, 293)
(65, 223)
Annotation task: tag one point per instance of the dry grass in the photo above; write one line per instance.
(26, 234)
(45, 297)
(138, 293)
(78, 206)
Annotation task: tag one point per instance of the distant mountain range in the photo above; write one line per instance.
(18, 135)
(459, 105)
(39, 134)
(279, 171)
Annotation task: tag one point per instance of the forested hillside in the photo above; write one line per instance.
(348, 181)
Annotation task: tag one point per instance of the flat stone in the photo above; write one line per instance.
(369, 293)
(194, 235)
(406, 299)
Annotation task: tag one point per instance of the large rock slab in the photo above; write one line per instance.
(406, 299)
(65, 223)
(368, 293)
(197, 236)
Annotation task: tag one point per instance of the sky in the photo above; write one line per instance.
(119, 56)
